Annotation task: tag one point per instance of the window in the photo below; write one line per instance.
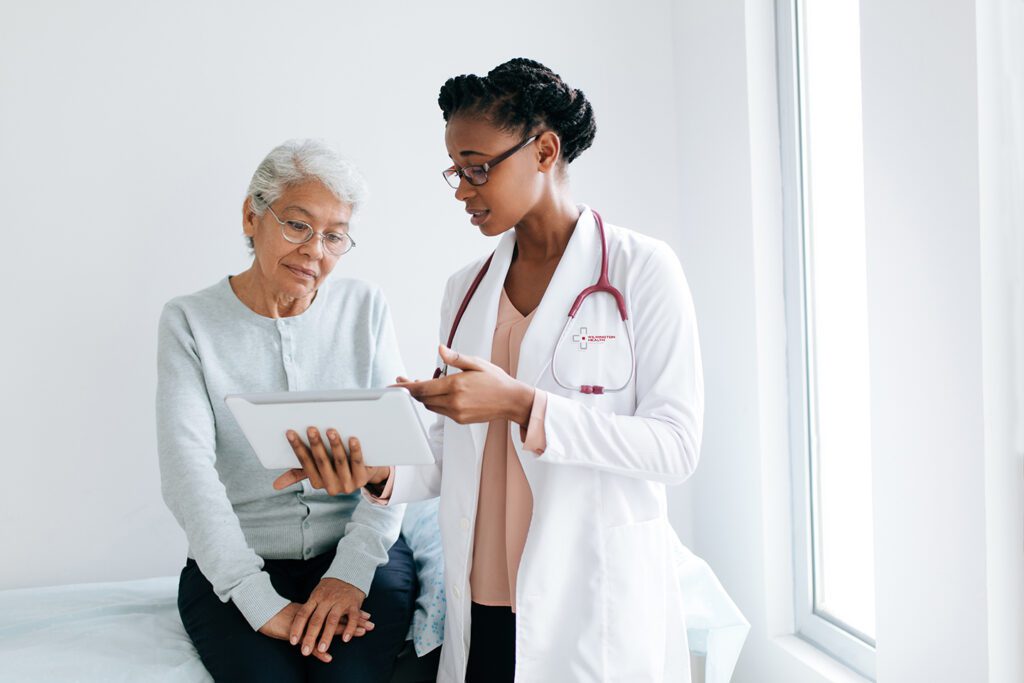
(826, 311)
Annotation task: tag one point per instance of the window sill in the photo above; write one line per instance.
(828, 668)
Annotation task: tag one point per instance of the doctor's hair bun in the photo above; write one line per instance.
(523, 95)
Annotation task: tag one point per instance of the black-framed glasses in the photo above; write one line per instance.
(298, 232)
(477, 174)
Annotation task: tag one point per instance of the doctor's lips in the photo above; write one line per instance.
(477, 216)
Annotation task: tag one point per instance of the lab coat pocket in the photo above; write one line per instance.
(635, 601)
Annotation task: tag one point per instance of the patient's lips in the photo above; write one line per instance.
(305, 273)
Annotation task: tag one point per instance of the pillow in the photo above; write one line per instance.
(423, 535)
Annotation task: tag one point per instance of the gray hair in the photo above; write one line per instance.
(299, 161)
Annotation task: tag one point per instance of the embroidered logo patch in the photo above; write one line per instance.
(584, 338)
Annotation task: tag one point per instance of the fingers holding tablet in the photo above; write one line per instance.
(338, 471)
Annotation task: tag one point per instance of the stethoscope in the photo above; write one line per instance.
(603, 284)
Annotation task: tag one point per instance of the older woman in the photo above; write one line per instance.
(273, 575)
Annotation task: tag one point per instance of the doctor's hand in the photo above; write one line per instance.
(332, 603)
(338, 472)
(480, 393)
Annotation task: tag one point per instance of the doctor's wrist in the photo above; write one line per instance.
(521, 404)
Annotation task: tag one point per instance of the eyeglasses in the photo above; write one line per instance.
(476, 175)
(297, 232)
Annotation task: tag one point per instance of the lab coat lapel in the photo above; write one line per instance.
(476, 330)
(578, 269)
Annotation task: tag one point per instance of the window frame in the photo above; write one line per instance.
(850, 648)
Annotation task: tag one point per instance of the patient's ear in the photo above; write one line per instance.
(248, 218)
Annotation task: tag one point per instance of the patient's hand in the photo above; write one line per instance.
(280, 625)
(338, 472)
(333, 603)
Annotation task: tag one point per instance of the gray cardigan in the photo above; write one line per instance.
(209, 345)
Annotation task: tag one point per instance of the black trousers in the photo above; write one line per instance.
(492, 645)
(232, 651)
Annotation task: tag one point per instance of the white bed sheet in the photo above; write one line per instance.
(102, 632)
(131, 631)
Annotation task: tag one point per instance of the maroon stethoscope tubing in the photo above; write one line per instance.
(465, 304)
(603, 284)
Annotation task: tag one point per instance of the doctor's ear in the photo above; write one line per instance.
(548, 148)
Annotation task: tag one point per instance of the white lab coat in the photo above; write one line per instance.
(598, 596)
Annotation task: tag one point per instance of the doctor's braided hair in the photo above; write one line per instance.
(522, 95)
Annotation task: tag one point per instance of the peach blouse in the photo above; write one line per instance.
(505, 505)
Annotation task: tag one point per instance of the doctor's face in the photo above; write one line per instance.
(513, 187)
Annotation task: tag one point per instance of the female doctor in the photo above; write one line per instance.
(572, 395)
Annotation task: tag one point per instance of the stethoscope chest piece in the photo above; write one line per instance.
(592, 347)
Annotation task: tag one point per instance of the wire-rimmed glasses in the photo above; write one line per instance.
(298, 232)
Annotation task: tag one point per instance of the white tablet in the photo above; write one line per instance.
(385, 421)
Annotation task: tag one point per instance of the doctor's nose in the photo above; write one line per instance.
(464, 191)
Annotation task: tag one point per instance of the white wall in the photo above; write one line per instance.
(128, 133)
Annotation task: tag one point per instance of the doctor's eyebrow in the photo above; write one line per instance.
(470, 153)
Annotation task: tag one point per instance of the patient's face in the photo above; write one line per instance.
(296, 270)
(513, 187)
